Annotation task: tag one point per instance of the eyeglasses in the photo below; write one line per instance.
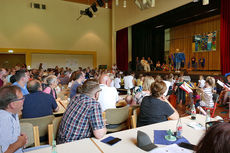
(19, 99)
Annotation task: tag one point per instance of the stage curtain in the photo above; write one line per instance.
(147, 41)
(225, 36)
(122, 49)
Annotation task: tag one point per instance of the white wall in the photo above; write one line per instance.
(62, 60)
(55, 28)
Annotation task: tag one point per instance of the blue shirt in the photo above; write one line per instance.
(9, 130)
(73, 89)
(38, 104)
(23, 89)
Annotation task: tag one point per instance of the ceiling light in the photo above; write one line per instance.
(124, 4)
(100, 3)
(205, 2)
(94, 7)
(10, 51)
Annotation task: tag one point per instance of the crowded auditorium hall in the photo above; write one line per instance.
(115, 76)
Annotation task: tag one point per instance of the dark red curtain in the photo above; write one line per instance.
(122, 49)
(225, 36)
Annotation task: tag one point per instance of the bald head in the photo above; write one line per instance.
(105, 79)
(34, 86)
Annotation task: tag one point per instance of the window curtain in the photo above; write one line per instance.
(225, 36)
(122, 49)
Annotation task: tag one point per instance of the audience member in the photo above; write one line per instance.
(129, 81)
(83, 116)
(215, 140)
(156, 108)
(38, 103)
(11, 103)
(117, 81)
(79, 80)
(201, 82)
(52, 83)
(22, 77)
(108, 97)
(3, 74)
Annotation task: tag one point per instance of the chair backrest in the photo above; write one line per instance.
(136, 112)
(117, 115)
(56, 123)
(32, 134)
(41, 122)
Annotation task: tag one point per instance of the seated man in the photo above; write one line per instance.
(38, 103)
(108, 97)
(22, 77)
(11, 102)
(145, 64)
(83, 116)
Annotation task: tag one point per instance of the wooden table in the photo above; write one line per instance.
(81, 146)
(129, 137)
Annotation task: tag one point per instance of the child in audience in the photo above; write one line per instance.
(206, 94)
(179, 92)
(140, 80)
(117, 81)
(201, 82)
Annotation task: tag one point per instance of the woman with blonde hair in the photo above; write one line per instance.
(137, 99)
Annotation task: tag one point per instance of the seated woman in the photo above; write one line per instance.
(52, 83)
(137, 99)
(216, 139)
(156, 108)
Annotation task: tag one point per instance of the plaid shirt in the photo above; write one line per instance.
(82, 116)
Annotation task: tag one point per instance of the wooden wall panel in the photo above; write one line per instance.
(181, 37)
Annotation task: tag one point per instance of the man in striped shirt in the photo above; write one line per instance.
(83, 116)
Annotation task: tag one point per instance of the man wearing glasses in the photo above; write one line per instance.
(11, 102)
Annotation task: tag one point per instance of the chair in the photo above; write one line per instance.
(56, 123)
(136, 112)
(41, 122)
(32, 134)
(117, 118)
(213, 109)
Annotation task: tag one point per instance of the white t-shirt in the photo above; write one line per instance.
(206, 98)
(128, 82)
(117, 82)
(168, 84)
(202, 83)
(112, 83)
(108, 97)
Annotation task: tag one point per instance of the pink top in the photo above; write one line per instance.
(48, 90)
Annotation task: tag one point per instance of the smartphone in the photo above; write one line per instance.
(187, 146)
(113, 141)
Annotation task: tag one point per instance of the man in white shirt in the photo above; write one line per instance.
(129, 81)
(108, 97)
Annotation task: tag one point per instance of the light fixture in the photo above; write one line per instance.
(124, 4)
(100, 3)
(94, 7)
(205, 2)
(117, 2)
(88, 12)
(10, 51)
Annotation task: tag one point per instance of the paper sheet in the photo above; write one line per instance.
(171, 149)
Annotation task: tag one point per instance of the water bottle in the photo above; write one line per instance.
(179, 129)
(193, 112)
(54, 148)
(208, 117)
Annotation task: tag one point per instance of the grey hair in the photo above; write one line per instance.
(51, 79)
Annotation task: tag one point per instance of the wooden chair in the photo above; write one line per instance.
(136, 112)
(117, 118)
(42, 123)
(32, 134)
